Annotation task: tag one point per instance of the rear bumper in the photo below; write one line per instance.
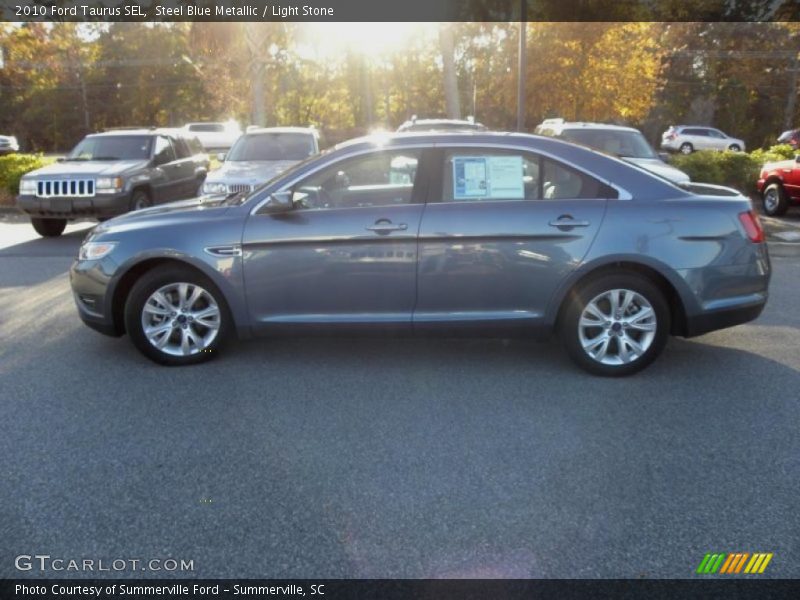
(748, 310)
(105, 205)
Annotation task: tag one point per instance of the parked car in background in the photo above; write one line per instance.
(111, 173)
(779, 186)
(415, 124)
(215, 137)
(502, 234)
(259, 155)
(626, 143)
(688, 138)
(791, 137)
(8, 144)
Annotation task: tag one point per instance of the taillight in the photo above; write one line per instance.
(672, 136)
(752, 226)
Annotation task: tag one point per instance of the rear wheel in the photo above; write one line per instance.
(686, 148)
(176, 316)
(49, 227)
(774, 200)
(616, 325)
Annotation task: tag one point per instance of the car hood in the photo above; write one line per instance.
(201, 208)
(249, 171)
(106, 168)
(789, 163)
(660, 168)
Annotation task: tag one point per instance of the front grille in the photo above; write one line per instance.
(65, 187)
(238, 188)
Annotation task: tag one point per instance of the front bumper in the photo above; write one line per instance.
(90, 281)
(101, 205)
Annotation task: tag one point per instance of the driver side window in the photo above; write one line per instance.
(163, 151)
(377, 179)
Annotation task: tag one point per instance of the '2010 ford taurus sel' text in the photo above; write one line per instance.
(507, 234)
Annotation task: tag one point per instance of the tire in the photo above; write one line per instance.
(610, 347)
(139, 199)
(49, 227)
(735, 148)
(774, 200)
(686, 148)
(154, 300)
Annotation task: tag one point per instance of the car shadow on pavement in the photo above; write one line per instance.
(65, 245)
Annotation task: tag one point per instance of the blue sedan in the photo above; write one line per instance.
(435, 233)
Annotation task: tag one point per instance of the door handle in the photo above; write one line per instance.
(567, 222)
(384, 226)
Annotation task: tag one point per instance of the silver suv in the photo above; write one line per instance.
(686, 139)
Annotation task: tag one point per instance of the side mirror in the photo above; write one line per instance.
(664, 156)
(278, 202)
(61, 159)
(221, 156)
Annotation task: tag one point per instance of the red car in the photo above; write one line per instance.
(779, 186)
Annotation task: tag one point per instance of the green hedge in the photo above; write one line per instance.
(14, 166)
(739, 170)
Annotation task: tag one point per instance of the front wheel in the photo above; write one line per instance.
(616, 325)
(49, 227)
(735, 148)
(176, 316)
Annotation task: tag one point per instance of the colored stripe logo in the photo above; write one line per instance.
(734, 563)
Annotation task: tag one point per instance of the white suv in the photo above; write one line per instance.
(625, 143)
(688, 138)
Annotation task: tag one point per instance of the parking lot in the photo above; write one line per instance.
(390, 458)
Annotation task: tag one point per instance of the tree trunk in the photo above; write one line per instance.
(447, 49)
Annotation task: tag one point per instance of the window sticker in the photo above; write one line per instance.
(487, 177)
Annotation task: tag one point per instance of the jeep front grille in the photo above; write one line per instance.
(238, 188)
(65, 187)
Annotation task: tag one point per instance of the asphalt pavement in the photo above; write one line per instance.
(389, 457)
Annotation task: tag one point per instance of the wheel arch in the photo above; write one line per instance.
(672, 286)
(133, 272)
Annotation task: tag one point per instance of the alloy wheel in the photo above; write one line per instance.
(181, 319)
(771, 200)
(617, 327)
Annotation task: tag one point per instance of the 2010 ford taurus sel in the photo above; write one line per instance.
(506, 234)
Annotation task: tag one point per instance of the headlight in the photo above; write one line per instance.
(27, 186)
(215, 187)
(95, 250)
(108, 185)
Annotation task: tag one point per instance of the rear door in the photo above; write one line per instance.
(500, 232)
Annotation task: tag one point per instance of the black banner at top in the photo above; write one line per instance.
(154, 11)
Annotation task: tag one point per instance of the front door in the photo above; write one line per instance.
(501, 232)
(346, 254)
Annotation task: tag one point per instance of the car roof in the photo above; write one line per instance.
(305, 130)
(586, 125)
(141, 131)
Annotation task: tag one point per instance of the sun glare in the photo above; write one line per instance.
(369, 39)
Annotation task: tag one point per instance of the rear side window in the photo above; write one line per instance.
(694, 131)
(475, 176)
(181, 148)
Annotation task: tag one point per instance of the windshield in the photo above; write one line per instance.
(625, 144)
(444, 126)
(273, 146)
(122, 147)
(207, 127)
